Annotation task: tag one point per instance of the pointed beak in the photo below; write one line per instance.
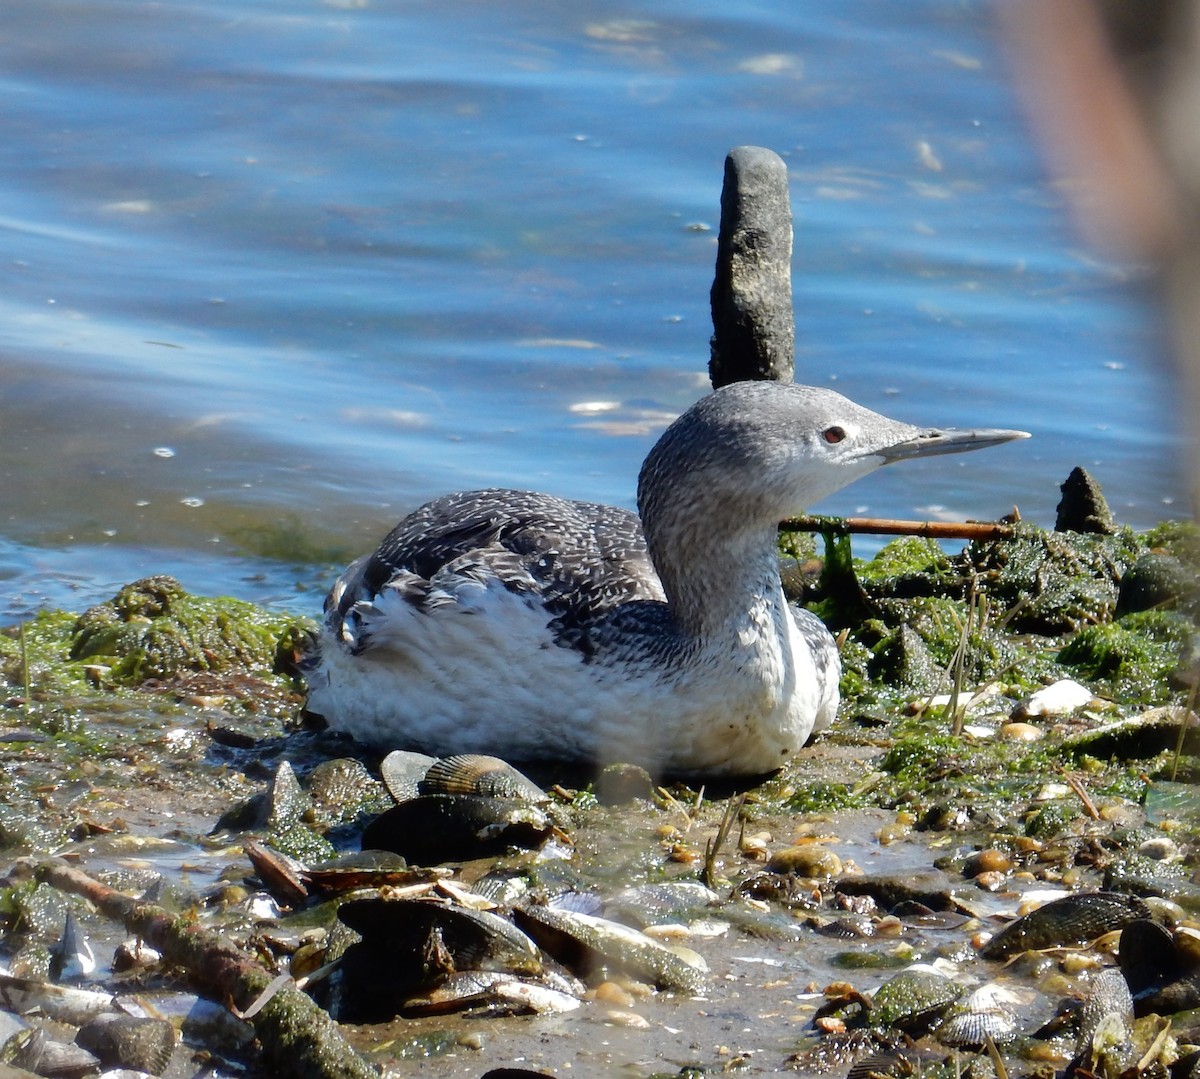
(933, 442)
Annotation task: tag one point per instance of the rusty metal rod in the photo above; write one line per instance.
(884, 526)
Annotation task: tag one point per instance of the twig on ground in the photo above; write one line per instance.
(297, 1037)
(886, 526)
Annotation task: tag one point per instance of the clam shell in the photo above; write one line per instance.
(1073, 919)
(986, 1013)
(584, 942)
(435, 828)
(126, 1041)
(401, 771)
(474, 773)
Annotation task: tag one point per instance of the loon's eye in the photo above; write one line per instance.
(833, 435)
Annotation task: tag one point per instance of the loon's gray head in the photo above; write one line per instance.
(767, 450)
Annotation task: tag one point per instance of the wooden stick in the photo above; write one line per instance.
(884, 526)
(297, 1037)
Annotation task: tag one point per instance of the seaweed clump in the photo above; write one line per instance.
(155, 629)
(154, 635)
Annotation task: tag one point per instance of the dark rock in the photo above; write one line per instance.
(753, 322)
(1155, 581)
(929, 887)
(1083, 508)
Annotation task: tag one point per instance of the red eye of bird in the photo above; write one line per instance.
(833, 435)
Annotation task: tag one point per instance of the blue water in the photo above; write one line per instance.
(277, 272)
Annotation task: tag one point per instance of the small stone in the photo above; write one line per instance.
(1021, 732)
(620, 784)
(990, 881)
(1160, 848)
(611, 993)
(806, 860)
(988, 860)
(621, 1018)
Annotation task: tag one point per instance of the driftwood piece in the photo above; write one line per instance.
(884, 526)
(298, 1038)
(754, 334)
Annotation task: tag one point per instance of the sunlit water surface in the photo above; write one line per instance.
(275, 273)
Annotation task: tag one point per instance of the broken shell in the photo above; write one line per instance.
(474, 773)
(127, 1041)
(1073, 919)
(492, 992)
(1057, 699)
(585, 943)
(435, 828)
(402, 770)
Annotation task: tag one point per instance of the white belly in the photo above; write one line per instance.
(488, 677)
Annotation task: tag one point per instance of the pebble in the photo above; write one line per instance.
(1160, 848)
(990, 880)
(611, 993)
(988, 860)
(621, 1018)
(806, 860)
(1016, 731)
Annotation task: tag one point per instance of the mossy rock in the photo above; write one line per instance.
(1052, 582)
(909, 567)
(154, 629)
(1135, 656)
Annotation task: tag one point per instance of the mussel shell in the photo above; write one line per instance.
(1161, 977)
(474, 773)
(1147, 956)
(367, 869)
(475, 939)
(493, 992)
(666, 901)
(33, 1051)
(584, 943)
(414, 944)
(1073, 919)
(281, 874)
(435, 828)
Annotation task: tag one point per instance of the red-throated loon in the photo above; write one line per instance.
(536, 628)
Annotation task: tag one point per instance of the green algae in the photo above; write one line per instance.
(154, 635)
(154, 629)
(1132, 658)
